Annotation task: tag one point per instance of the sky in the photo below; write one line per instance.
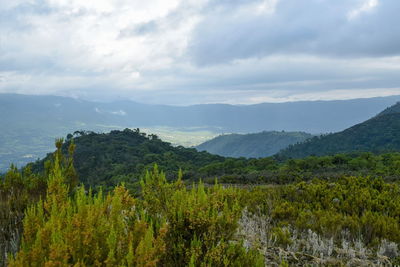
(184, 52)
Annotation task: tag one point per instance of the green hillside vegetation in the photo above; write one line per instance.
(106, 160)
(390, 110)
(379, 134)
(352, 220)
(256, 145)
(271, 171)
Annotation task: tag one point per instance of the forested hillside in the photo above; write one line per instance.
(256, 145)
(378, 134)
(107, 159)
(392, 109)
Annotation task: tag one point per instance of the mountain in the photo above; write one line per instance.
(308, 116)
(107, 159)
(255, 145)
(378, 134)
(31, 123)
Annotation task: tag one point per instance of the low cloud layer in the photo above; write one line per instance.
(198, 51)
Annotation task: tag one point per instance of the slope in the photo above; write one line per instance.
(378, 134)
(107, 159)
(255, 145)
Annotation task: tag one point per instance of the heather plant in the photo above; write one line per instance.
(88, 230)
(18, 190)
(21, 188)
(202, 223)
(352, 218)
(168, 225)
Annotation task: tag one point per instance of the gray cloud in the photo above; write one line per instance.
(323, 28)
(186, 52)
(140, 29)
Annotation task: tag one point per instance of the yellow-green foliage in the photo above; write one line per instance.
(201, 222)
(281, 236)
(18, 190)
(88, 230)
(169, 226)
(365, 208)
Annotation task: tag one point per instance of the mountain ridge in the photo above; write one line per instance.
(254, 145)
(392, 109)
(379, 134)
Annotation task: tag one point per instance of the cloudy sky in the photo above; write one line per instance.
(201, 51)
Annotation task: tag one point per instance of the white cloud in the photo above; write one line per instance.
(197, 51)
(119, 112)
(366, 6)
(266, 6)
(327, 95)
(7, 4)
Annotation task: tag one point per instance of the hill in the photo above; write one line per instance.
(33, 122)
(254, 145)
(378, 134)
(107, 159)
(392, 109)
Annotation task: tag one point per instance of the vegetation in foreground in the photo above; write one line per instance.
(348, 220)
(170, 225)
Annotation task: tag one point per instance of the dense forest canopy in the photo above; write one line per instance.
(107, 159)
(392, 109)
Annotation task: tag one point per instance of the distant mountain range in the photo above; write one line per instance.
(308, 116)
(256, 145)
(378, 134)
(31, 123)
